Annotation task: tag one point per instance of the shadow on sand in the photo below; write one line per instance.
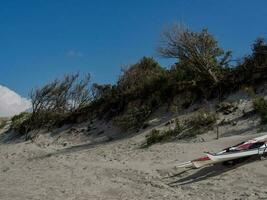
(204, 173)
(9, 136)
(72, 149)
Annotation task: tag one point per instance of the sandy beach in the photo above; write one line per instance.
(53, 169)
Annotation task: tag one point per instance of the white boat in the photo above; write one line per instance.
(197, 163)
(232, 155)
(256, 146)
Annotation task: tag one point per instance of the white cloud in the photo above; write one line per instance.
(12, 103)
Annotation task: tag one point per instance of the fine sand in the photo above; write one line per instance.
(123, 170)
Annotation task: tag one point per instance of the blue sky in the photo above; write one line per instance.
(44, 39)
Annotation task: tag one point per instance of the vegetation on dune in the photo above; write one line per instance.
(197, 51)
(57, 103)
(141, 90)
(2, 123)
(201, 122)
(202, 71)
(19, 122)
(196, 125)
(260, 105)
(156, 136)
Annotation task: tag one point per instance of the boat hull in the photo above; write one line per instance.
(236, 155)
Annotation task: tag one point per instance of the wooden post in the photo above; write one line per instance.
(217, 130)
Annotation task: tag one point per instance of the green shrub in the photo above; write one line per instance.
(203, 119)
(139, 78)
(250, 91)
(19, 122)
(133, 118)
(139, 91)
(198, 124)
(156, 136)
(260, 105)
(195, 126)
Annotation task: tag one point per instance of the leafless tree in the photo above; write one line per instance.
(61, 96)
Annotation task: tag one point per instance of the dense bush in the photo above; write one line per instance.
(133, 118)
(139, 91)
(259, 52)
(139, 79)
(260, 105)
(20, 123)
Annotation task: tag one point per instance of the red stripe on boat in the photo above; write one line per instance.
(244, 146)
(205, 158)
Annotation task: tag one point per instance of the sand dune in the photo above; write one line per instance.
(70, 164)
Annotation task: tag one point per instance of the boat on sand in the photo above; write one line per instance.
(256, 146)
